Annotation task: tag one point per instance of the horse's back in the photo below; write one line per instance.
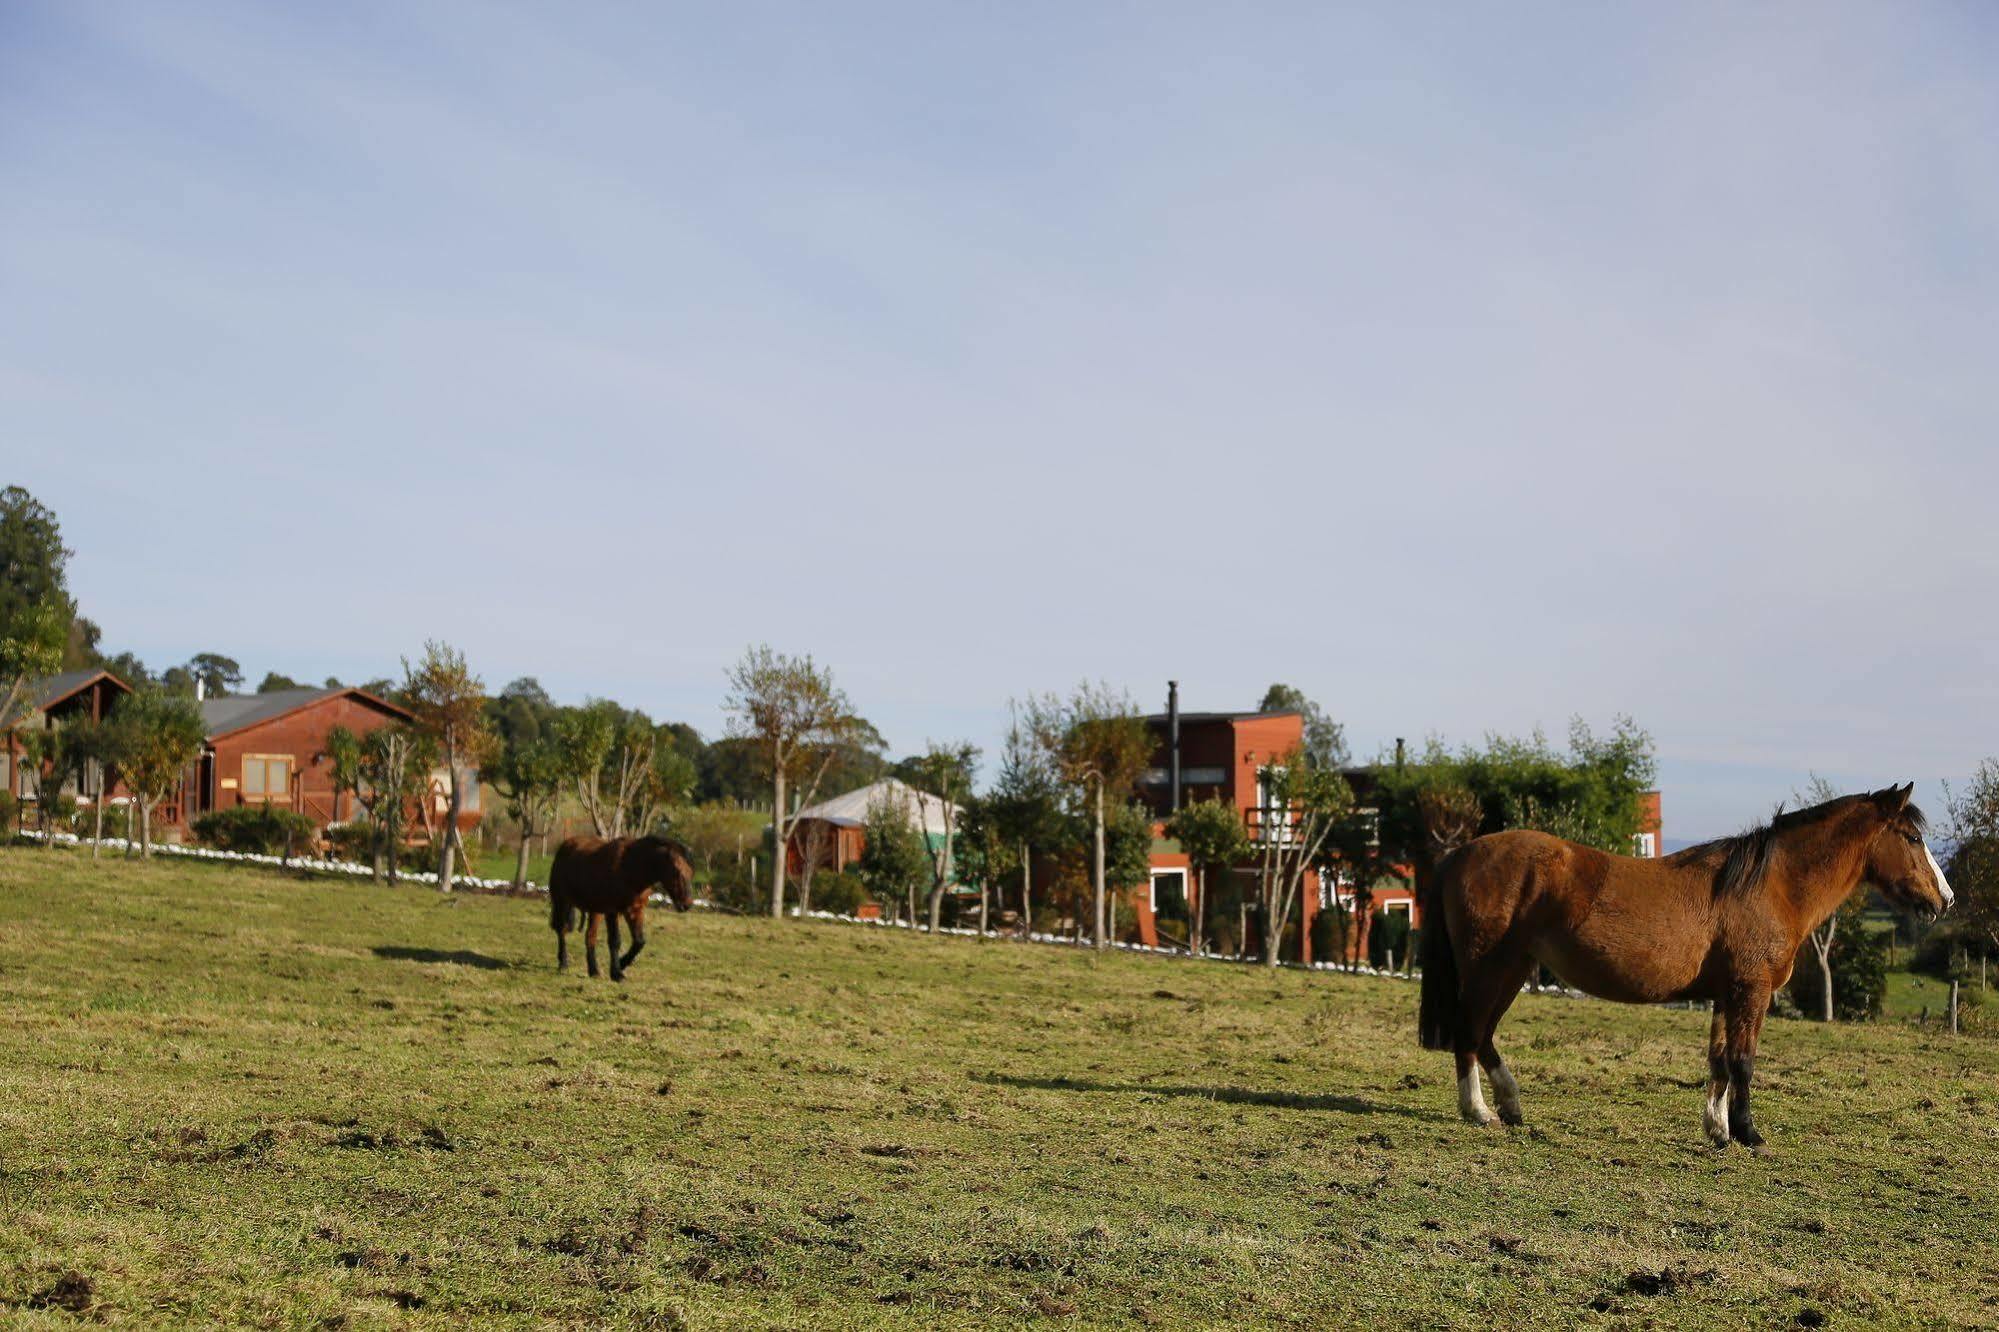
(1619, 926)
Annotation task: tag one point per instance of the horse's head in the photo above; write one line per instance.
(676, 875)
(1899, 861)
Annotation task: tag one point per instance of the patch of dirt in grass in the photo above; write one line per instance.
(72, 1292)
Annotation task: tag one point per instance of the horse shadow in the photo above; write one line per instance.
(1340, 1104)
(461, 957)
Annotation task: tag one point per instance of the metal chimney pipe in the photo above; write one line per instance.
(1173, 740)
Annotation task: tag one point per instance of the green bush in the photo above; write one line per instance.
(838, 891)
(1329, 934)
(1390, 930)
(59, 814)
(352, 841)
(256, 829)
(1859, 973)
(10, 809)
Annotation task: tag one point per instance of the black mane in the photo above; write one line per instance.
(1745, 857)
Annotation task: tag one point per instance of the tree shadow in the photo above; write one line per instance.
(461, 957)
(1346, 1105)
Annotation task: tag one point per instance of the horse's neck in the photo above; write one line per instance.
(1822, 867)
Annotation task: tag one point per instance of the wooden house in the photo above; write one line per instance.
(59, 700)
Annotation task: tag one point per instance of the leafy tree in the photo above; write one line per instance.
(799, 720)
(218, 675)
(984, 853)
(527, 772)
(1853, 991)
(1098, 742)
(710, 831)
(385, 771)
(625, 770)
(449, 705)
(944, 775)
(156, 735)
(1127, 853)
(35, 605)
(729, 771)
(36, 612)
(1026, 806)
(1214, 838)
(273, 682)
(895, 858)
(1588, 794)
(1325, 739)
(1974, 858)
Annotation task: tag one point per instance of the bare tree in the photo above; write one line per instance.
(1302, 804)
(1817, 791)
(798, 718)
(386, 771)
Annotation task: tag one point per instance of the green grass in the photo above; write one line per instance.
(234, 1097)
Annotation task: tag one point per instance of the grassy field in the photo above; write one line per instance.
(232, 1097)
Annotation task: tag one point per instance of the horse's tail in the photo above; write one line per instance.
(1437, 1014)
(561, 912)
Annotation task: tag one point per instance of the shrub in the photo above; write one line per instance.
(1329, 934)
(256, 829)
(733, 887)
(352, 841)
(59, 815)
(838, 891)
(10, 809)
(1390, 930)
(1859, 973)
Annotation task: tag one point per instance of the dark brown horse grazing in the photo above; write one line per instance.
(613, 878)
(1721, 921)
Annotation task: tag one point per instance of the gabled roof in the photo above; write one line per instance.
(851, 810)
(46, 693)
(240, 712)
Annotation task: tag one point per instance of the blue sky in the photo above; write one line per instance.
(1468, 368)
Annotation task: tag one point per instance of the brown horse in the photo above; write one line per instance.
(1721, 921)
(612, 878)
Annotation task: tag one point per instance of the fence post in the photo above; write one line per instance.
(1953, 1008)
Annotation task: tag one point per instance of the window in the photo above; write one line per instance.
(1645, 844)
(267, 777)
(1169, 893)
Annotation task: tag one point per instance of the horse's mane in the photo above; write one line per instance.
(1745, 857)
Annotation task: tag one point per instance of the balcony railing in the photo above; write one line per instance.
(1282, 827)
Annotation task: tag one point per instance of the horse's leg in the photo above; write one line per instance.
(617, 964)
(1746, 1007)
(1715, 1120)
(562, 942)
(1505, 1089)
(590, 943)
(1479, 999)
(635, 916)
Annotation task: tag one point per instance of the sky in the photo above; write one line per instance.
(1470, 368)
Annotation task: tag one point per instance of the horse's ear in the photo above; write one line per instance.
(1893, 800)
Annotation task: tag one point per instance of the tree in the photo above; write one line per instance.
(157, 735)
(1325, 739)
(894, 858)
(528, 773)
(984, 853)
(624, 769)
(1099, 745)
(36, 612)
(943, 774)
(217, 674)
(1973, 833)
(1026, 806)
(1303, 804)
(798, 718)
(449, 704)
(1213, 837)
(35, 606)
(384, 770)
(273, 682)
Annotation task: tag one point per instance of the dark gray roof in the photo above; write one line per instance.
(55, 688)
(238, 712)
